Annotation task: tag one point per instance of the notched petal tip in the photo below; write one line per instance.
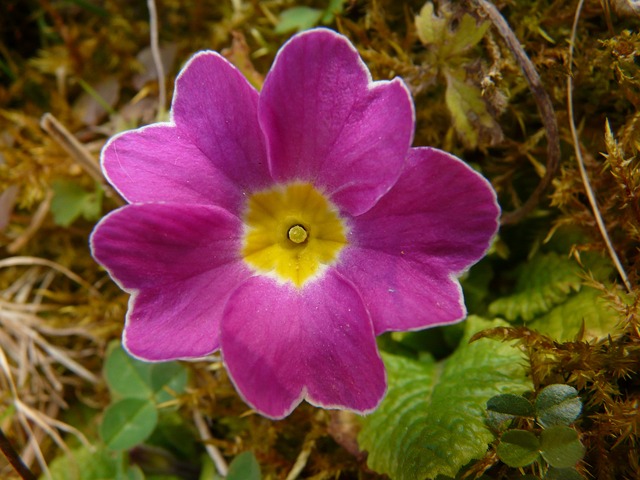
(407, 251)
(282, 345)
(327, 122)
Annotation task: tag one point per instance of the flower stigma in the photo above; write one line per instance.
(292, 232)
(297, 234)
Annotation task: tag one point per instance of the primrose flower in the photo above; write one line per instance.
(288, 228)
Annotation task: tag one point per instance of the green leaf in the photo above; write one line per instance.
(468, 110)
(134, 472)
(334, 8)
(83, 463)
(544, 282)
(476, 284)
(128, 422)
(431, 28)
(467, 35)
(518, 448)
(168, 379)
(174, 434)
(432, 421)
(436, 30)
(558, 405)
(298, 19)
(70, 201)
(131, 378)
(563, 474)
(498, 422)
(511, 404)
(561, 447)
(565, 321)
(244, 467)
(126, 376)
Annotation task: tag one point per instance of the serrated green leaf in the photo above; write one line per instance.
(468, 109)
(561, 447)
(432, 421)
(544, 282)
(128, 422)
(131, 378)
(564, 321)
(70, 201)
(518, 448)
(244, 467)
(558, 404)
(297, 19)
(511, 404)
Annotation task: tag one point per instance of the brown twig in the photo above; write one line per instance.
(544, 107)
(14, 459)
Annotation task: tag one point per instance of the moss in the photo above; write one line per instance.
(74, 42)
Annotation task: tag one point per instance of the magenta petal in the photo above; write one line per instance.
(326, 122)
(216, 109)
(156, 164)
(180, 263)
(282, 345)
(212, 155)
(406, 252)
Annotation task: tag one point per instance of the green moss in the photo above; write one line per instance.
(467, 88)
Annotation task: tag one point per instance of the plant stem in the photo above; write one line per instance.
(157, 57)
(545, 108)
(583, 171)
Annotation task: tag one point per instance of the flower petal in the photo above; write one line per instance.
(180, 263)
(216, 108)
(406, 252)
(326, 122)
(158, 164)
(282, 345)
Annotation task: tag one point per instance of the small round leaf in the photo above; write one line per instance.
(127, 376)
(558, 405)
(561, 447)
(511, 405)
(128, 422)
(498, 422)
(172, 375)
(518, 448)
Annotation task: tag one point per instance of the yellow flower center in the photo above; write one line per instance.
(293, 232)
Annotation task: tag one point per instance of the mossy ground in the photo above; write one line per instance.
(85, 63)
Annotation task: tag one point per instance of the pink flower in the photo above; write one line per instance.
(288, 228)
